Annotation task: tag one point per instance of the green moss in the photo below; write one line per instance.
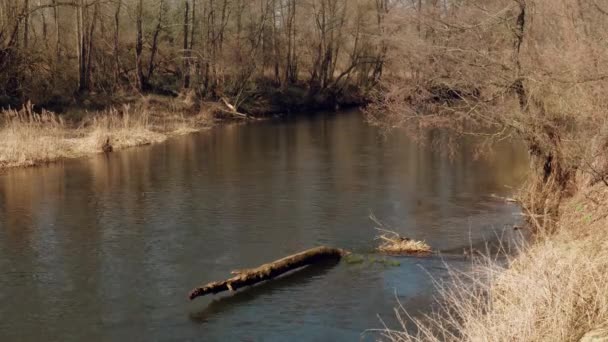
(354, 259)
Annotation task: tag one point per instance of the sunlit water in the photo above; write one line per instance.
(107, 248)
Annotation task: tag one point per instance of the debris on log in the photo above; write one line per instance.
(248, 277)
(394, 244)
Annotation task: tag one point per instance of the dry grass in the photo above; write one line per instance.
(496, 69)
(393, 243)
(554, 290)
(124, 129)
(28, 138)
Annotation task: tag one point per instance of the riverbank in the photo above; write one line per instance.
(553, 290)
(33, 136)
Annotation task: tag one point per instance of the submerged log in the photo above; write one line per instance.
(248, 277)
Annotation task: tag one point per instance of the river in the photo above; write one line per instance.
(106, 248)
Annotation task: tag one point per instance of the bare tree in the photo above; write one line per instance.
(186, 46)
(488, 68)
(217, 48)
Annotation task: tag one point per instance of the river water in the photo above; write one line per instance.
(106, 248)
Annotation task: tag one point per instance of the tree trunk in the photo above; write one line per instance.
(291, 68)
(142, 83)
(26, 24)
(45, 29)
(117, 43)
(275, 45)
(80, 46)
(193, 61)
(154, 48)
(269, 271)
(519, 88)
(90, 47)
(57, 39)
(381, 12)
(419, 17)
(186, 54)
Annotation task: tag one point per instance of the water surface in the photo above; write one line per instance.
(107, 247)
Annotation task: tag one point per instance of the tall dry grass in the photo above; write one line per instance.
(554, 290)
(123, 127)
(537, 70)
(30, 138)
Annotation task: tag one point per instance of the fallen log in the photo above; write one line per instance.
(232, 109)
(248, 277)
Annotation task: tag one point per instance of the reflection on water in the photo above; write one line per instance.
(107, 248)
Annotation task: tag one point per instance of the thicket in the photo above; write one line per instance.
(55, 51)
(536, 70)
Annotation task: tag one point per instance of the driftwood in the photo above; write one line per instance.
(232, 110)
(248, 277)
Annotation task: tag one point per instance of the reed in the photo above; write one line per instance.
(29, 138)
(553, 290)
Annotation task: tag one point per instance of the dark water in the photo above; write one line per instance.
(107, 248)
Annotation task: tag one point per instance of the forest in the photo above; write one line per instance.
(56, 53)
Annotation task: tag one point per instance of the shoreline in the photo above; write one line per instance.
(155, 138)
(563, 271)
(32, 138)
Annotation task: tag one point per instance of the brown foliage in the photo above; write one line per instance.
(57, 48)
(503, 68)
(554, 290)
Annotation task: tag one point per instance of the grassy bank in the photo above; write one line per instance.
(488, 68)
(33, 135)
(553, 290)
(30, 137)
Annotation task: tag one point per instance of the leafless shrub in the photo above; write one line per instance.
(503, 68)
